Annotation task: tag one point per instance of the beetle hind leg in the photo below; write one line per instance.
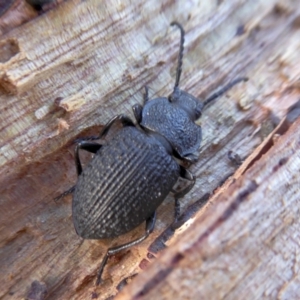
(150, 222)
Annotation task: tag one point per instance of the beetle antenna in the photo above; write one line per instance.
(223, 90)
(180, 55)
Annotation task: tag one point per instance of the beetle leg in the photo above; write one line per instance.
(191, 158)
(83, 145)
(93, 147)
(137, 110)
(184, 173)
(125, 120)
(150, 222)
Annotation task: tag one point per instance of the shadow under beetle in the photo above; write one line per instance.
(134, 171)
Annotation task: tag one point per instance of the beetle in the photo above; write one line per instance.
(133, 172)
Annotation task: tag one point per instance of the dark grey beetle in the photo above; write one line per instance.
(133, 172)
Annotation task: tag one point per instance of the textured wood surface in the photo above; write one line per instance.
(65, 73)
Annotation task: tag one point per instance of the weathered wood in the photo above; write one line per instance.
(99, 55)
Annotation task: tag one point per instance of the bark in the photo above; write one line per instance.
(67, 72)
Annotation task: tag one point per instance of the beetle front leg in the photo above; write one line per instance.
(150, 222)
(125, 121)
(87, 146)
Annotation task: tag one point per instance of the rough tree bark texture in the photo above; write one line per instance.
(65, 73)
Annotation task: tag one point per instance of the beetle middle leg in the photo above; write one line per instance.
(93, 147)
(150, 222)
(185, 174)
